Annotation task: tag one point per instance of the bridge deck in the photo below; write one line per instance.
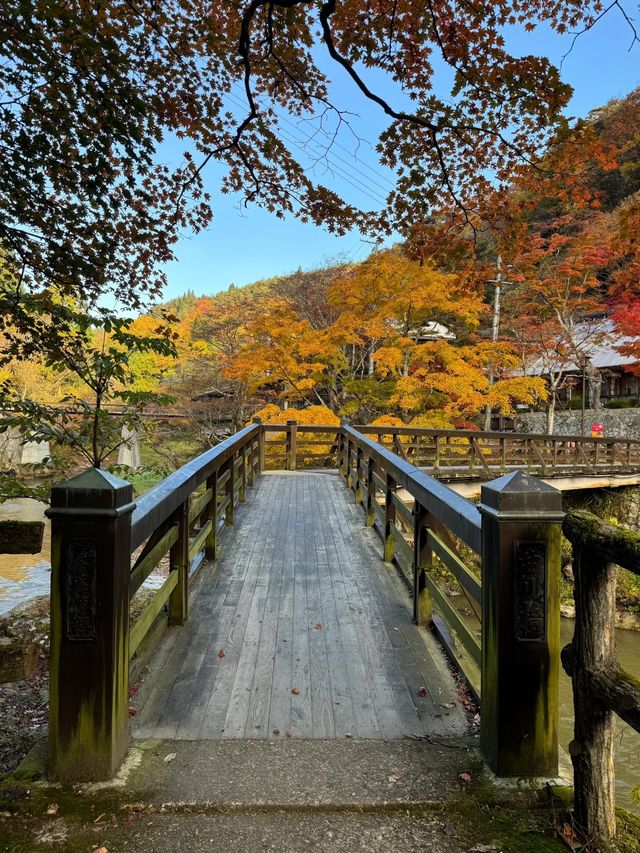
(315, 630)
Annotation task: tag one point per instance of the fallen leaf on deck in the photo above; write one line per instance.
(276, 731)
(464, 777)
(221, 653)
(169, 757)
(132, 711)
(393, 779)
(423, 691)
(448, 705)
(289, 734)
(133, 691)
(349, 735)
(318, 626)
(296, 691)
(567, 834)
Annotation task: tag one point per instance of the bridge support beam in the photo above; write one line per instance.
(90, 562)
(521, 528)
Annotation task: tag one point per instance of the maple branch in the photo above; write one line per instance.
(615, 4)
(327, 10)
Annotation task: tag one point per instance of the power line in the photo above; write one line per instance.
(354, 180)
(334, 143)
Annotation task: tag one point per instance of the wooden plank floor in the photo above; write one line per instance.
(315, 630)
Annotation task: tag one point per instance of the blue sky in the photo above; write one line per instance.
(246, 244)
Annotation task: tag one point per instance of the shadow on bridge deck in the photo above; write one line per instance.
(317, 637)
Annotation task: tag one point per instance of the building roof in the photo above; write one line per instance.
(600, 343)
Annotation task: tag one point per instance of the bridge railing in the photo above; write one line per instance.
(515, 532)
(463, 454)
(292, 446)
(104, 546)
(600, 687)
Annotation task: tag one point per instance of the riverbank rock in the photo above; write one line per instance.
(21, 537)
(18, 660)
(624, 619)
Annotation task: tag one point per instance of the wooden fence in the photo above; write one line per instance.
(600, 687)
(458, 454)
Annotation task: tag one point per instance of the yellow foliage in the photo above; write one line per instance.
(387, 421)
(267, 414)
(434, 419)
(311, 415)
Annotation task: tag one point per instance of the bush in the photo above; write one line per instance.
(575, 403)
(621, 404)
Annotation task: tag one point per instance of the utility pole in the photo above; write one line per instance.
(495, 328)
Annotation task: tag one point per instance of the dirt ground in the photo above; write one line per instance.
(24, 705)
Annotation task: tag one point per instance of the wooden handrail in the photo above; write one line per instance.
(516, 531)
(153, 508)
(458, 514)
(472, 433)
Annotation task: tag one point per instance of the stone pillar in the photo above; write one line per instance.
(521, 528)
(10, 448)
(35, 452)
(90, 562)
(129, 450)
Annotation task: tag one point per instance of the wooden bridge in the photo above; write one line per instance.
(319, 585)
(465, 458)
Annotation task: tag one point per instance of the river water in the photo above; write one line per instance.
(24, 576)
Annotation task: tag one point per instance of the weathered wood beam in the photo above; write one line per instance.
(614, 544)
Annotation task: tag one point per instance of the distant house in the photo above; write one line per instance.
(606, 368)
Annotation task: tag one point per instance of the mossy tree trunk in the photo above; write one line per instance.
(593, 650)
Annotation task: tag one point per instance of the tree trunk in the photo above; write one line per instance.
(593, 648)
(595, 389)
(551, 414)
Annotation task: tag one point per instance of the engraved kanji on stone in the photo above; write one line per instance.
(530, 611)
(81, 576)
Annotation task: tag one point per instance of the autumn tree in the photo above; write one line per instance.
(94, 350)
(400, 341)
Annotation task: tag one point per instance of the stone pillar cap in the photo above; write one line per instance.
(521, 494)
(93, 490)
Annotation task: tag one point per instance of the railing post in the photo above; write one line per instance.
(179, 562)
(521, 526)
(422, 559)
(250, 469)
(261, 435)
(343, 446)
(349, 471)
(211, 542)
(371, 492)
(292, 444)
(358, 489)
(389, 520)
(90, 566)
(243, 475)
(230, 488)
